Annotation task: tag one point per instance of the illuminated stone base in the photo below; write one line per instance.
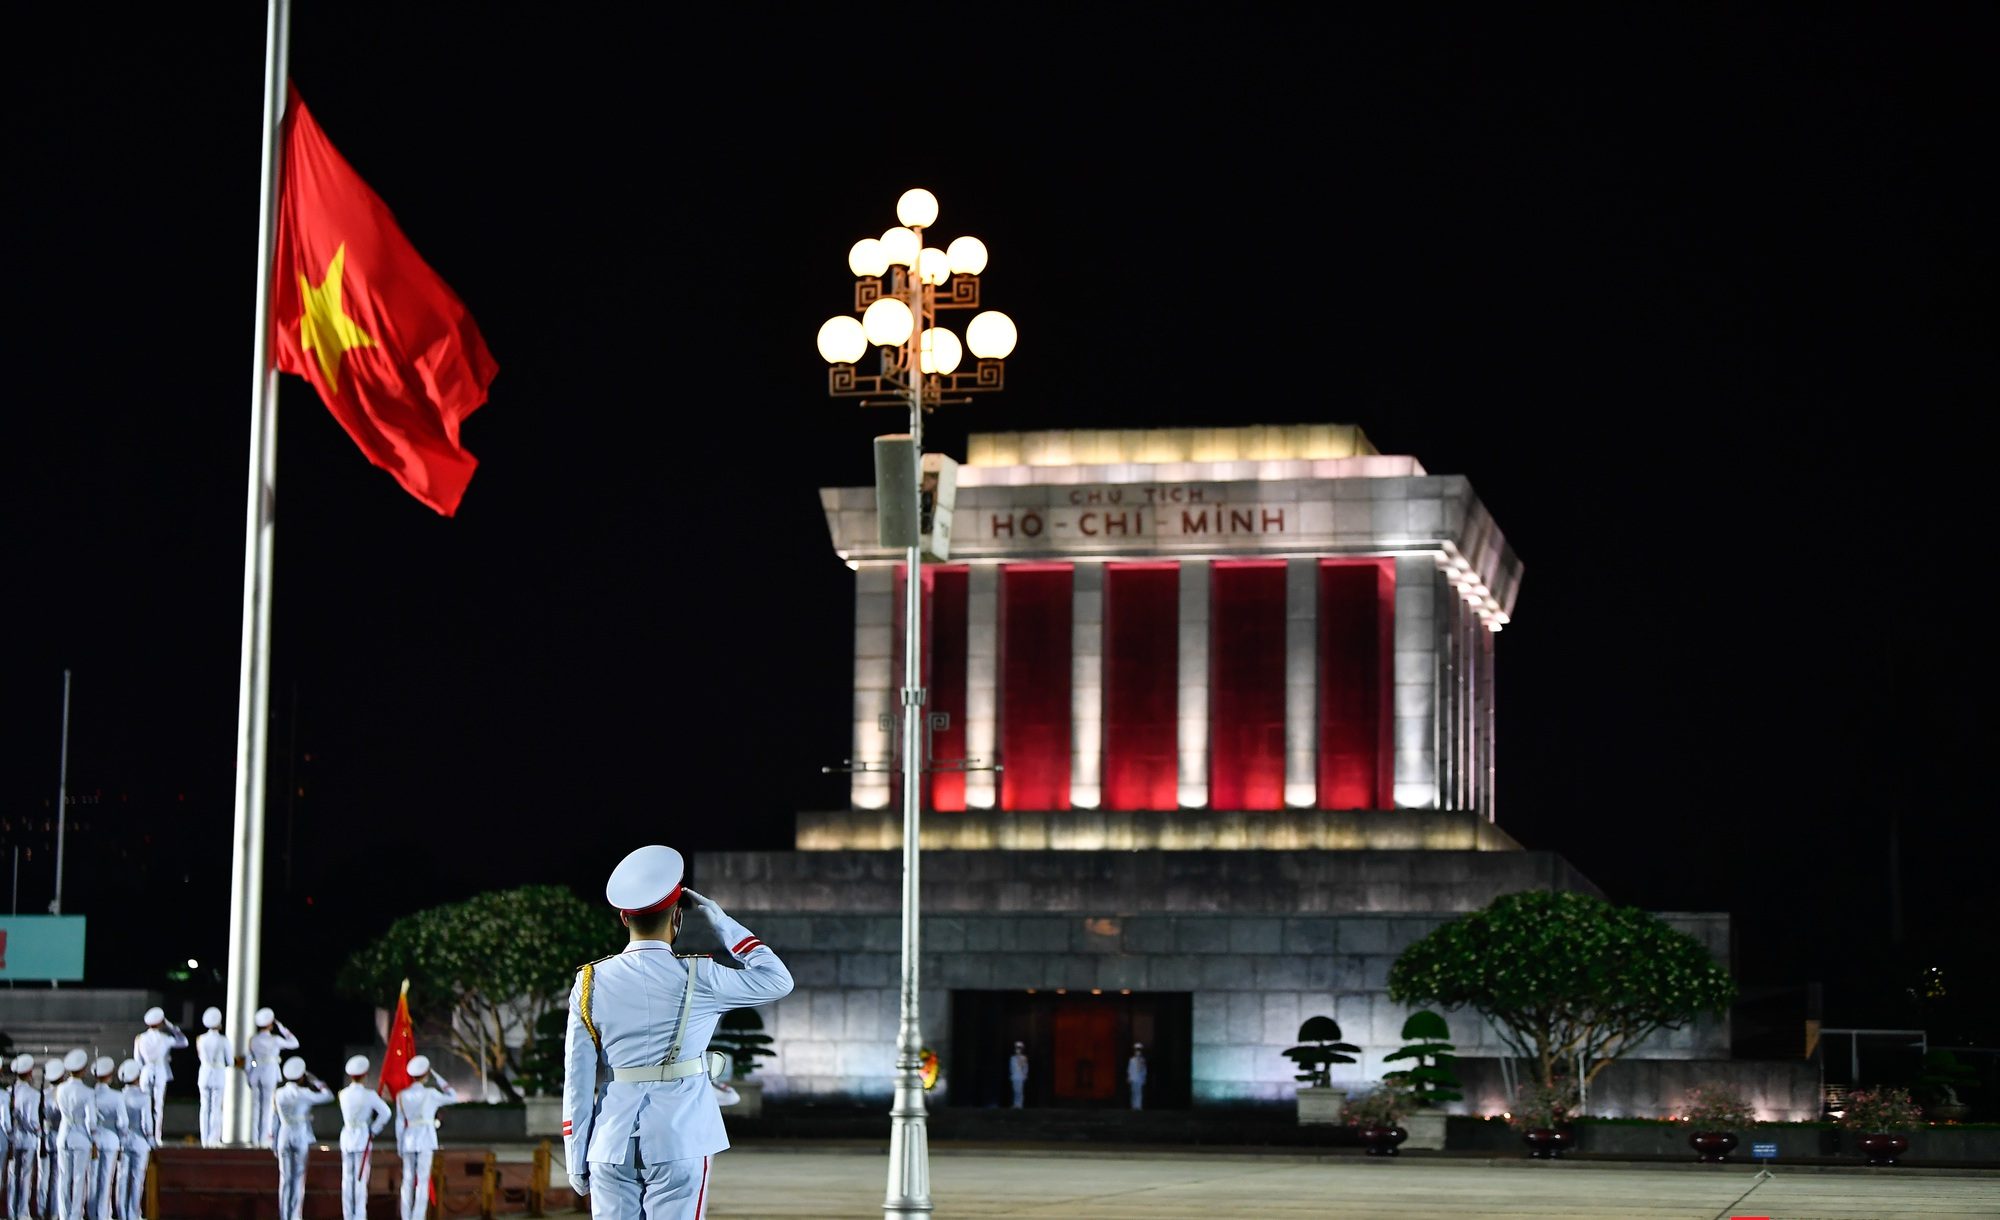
(1171, 830)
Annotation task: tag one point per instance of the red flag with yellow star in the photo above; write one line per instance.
(357, 312)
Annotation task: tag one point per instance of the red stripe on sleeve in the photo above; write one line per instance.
(743, 944)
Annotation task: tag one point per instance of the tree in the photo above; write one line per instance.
(740, 1034)
(1563, 976)
(1430, 1081)
(1323, 1048)
(490, 967)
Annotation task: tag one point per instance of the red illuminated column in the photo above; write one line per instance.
(1193, 734)
(876, 646)
(982, 683)
(1301, 683)
(1087, 687)
(1035, 673)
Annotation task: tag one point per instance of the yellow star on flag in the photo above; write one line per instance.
(324, 327)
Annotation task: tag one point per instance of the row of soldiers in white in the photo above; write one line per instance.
(77, 1144)
(362, 1115)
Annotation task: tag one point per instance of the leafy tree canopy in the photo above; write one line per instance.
(1563, 975)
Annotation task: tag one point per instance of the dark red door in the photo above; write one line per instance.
(1086, 1052)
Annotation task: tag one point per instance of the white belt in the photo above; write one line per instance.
(704, 1066)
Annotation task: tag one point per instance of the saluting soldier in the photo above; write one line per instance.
(416, 1131)
(216, 1056)
(292, 1106)
(140, 1137)
(151, 1048)
(640, 1119)
(263, 1068)
(362, 1113)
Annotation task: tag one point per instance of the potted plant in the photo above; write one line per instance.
(1880, 1115)
(1541, 1114)
(740, 1035)
(1377, 1118)
(1429, 1080)
(1943, 1075)
(1714, 1114)
(1319, 1049)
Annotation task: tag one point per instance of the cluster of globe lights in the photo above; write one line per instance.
(888, 320)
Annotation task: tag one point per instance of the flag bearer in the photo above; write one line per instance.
(416, 1132)
(216, 1056)
(362, 1113)
(109, 1137)
(639, 1146)
(151, 1048)
(76, 1134)
(292, 1105)
(263, 1066)
(140, 1138)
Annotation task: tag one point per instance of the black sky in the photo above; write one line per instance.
(1700, 300)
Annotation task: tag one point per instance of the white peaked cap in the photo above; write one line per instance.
(23, 1063)
(53, 1069)
(419, 1065)
(105, 1065)
(295, 1067)
(264, 1016)
(128, 1071)
(358, 1066)
(76, 1060)
(211, 1018)
(646, 880)
(155, 1015)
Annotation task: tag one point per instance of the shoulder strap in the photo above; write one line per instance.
(687, 1006)
(583, 1008)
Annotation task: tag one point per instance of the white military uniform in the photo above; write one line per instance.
(640, 1120)
(215, 1054)
(76, 1137)
(46, 1158)
(24, 1101)
(1017, 1073)
(151, 1048)
(1135, 1075)
(292, 1105)
(140, 1138)
(109, 1138)
(263, 1066)
(362, 1114)
(417, 1137)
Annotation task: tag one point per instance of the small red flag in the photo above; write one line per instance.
(357, 312)
(402, 1046)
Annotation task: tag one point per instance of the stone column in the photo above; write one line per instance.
(982, 682)
(1416, 670)
(1193, 736)
(875, 649)
(1086, 685)
(1301, 683)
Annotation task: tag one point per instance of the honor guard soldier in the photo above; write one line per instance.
(24, 1100)
(1017, 1072)
(362, 1113)
(151, 1048)
(7, 1138)
(109, 1136)
(263, 1067)
(45, 1153)
(216, 1056)
(140, 1138)
(640, 1119)
(76, 1134)
(293, 1106)
(1135, 1075)
(416, 1132)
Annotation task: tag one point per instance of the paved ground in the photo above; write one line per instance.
(824, 1185)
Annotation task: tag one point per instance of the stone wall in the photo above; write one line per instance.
(1261, 940)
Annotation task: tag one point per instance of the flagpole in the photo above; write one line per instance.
(253, 698)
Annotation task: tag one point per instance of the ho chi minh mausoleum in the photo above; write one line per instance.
(1241, 687)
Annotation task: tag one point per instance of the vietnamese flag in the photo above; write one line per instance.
(357, 312)
(402, 1048)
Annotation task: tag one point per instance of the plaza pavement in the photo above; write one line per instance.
(834, 1182)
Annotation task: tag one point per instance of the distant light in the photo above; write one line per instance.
(1097, 991)
(193, 964)
(1062, 991)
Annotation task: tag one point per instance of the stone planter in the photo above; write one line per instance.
(1426, 1128)
(1883, 1147)
(1712, 1147)
(543, 1116)
(1320, 1106)
(1381, 1141)
(1548, 1143)
(750, 1099)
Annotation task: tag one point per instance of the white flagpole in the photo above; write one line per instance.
(246, 866)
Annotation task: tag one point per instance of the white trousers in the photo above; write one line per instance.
(72, 1182)
(353, 1186)
(103, 1171)
(673, 1190)
(292, 1179)
(22, 1159)
(1139, 1096)
(263, 1123)
(416, 1183)
(1020, 1087)
(45, 1183)
(158, 1088)
(131, 1189)
(211, 1117)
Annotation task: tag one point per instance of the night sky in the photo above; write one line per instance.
(1701, 303)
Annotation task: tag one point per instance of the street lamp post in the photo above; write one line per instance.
(901, 286)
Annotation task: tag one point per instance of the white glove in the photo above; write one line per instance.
(705, 903)
(580, 1183)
